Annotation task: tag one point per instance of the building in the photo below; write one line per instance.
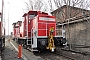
(65, 12)
(76, 23)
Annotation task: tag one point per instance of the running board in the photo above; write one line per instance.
(28, 42)
(32, 49)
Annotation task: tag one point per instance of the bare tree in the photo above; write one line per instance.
(26, 8)
(33, 5)
(50, 3)
(83, 4)
(59, 3)
(73, 3)
(38, 5)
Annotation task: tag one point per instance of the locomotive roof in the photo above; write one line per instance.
(0, 13)
(24, 14)
(36, 13)
(14, 23)
(33, 12)
(19, 21)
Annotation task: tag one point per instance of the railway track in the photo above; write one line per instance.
(65, 56)
(74, 55)
(83, 53)
(54, 56)
(61, 54)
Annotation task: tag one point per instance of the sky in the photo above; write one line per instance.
(13, 12)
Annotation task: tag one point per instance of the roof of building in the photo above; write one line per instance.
(76, 18)
(65, 6)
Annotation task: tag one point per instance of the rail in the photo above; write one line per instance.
(65, 56)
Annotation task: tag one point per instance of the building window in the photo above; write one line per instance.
(31, 16)
(83, 13)
(57, 15)
(53, 14)
(60, 13)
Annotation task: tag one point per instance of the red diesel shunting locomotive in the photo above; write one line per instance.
(38, 31)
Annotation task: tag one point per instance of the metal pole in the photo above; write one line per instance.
(2, 17)
(68, 14)
(8, 19)
(2, 51)
(27, 27)
(68, 23)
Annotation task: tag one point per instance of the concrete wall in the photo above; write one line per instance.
(79, 34)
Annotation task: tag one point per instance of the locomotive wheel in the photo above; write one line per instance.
(43, 43)
(55, 50)
(64, 41)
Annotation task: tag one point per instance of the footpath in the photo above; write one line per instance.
(10, 52)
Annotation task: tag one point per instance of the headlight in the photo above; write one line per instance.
(43, 42)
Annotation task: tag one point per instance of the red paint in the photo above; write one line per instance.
(42, 22)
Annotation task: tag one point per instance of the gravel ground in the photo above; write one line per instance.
(51, 56)
(76, 56)
(47, 55)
